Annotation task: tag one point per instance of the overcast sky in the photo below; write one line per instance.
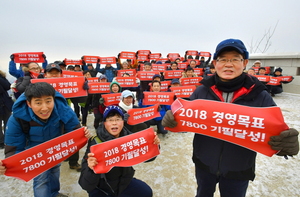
(72, 28)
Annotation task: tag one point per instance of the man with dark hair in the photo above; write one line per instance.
(44, 110)
(219, 161)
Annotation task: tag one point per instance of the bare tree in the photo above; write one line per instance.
(263, 44)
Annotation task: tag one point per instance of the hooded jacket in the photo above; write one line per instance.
(220, 157)
(15, 138)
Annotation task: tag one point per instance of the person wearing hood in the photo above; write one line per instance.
(219, 161)
(46, 110)
(119, 181)
(126, 103)
(277, 89)
(109, 71)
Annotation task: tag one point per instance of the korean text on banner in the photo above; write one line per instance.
(163, 98)
(125, 151)
(27, 57)
(139, 115)
(69, 87)
(30, 163)
(250, 127)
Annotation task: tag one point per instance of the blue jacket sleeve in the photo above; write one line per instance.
(45, 63)
(98, 68)
(17, 73)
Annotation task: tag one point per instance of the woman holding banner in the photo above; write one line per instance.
(219, 161)
(119, 181)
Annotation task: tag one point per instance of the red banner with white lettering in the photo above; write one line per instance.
(274, 81)
(154, 56)
(286, 78)
(159, 67)
(173, 56)
(127, 81)
(125, 151)
(111, 98)
(90, 59)
(131, 72)
(183, 91)
(163, 98)
(249, 127)
(262, 78)
(190, 81)
(69, 87)
(93, 79)
(191, 52)
(108, 60)
(183, 65)
(140, 115)
(164, 86)
(143, 52)
(27, 57)
(99, 87)
(68, 73)
(143, 58)
(199, 71)
(72, 62)
(146, 75)
(204, 54)
(171, 74)
(127, 55)
(31, 162)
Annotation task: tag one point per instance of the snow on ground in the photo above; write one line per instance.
(172, 173)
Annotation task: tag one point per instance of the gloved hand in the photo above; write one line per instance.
(101, 100)
(126, 117)
(159, 108)
(86, 85)
(27, 74)
(12, 57)
(287, 142)
(168, 120)
(44, 56)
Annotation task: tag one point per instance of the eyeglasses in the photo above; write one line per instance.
(35, 68)
(110, 120)
(233, 61)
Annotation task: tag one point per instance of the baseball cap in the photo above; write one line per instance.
(231, 43)
(126, 93)
(102, 77)
(175, 81)
(156, 75)
(52, 66)
(110, 109)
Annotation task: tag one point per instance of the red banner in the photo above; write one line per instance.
(72, 62)
(143, 58)
(250, 127)
(68, 87)
(111, 98)
(140, 115)
(127, 55)
(268, 69)
(68, 73)
(190, 81)
(108, 60)
(274, 81)
(90, 59)
(143, 52)
(125, 151)
(162, 98)
(93, 79)
(204, 54)
(154, 56)
(27, 57)
(131, 72)
(173, 56)
(127, 81)
(159, 67)
(286, 78)
(99, 87)
(262, 78)
(191, 52)
(199, 71)
(146, 75)
(183, 91)
(31, 162)
(183, 65)
(164, 86)
(163, 60)
(171, 74)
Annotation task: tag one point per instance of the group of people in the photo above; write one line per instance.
(216, 161)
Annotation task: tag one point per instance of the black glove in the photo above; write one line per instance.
(98, 60)
(287, 142)
(83, 62)
(168, 120)
(159, 108)
(101, 100)
(27, 74)
(126, 117)
(44, 56)
(86, 85)
(12, 57)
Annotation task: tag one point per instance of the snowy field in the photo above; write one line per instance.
(172, 173)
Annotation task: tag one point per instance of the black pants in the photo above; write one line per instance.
(3, 118)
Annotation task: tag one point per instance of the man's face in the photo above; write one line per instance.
(156, 79)
(42, 107)
(155, 87)
(114, 125)
(103, 80)
(90, 67)
(212, 70)
(251, 72)
(174, 66)
(52, 74)
(175, 85)
(125, 65)
(87, 75)
(262, 72)
(189, 73)
(34, 67)
(128, 100)
(229, 70)
(115, 88)
(147, 68)
(277, 73)
(77, 68)
(193, 64)
(257, 64)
